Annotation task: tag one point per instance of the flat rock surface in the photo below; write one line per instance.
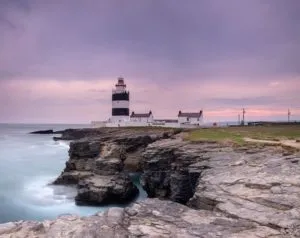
(258, 184)
(150, 218)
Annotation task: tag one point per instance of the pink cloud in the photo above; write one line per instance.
(78, 101)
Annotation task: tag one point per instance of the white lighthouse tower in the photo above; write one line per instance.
(120, 103)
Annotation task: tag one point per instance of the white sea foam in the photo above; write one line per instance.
(41, 193)
(58, 144)
(63, 144)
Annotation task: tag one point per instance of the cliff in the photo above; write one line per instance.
(203, 189)
(256, 183)
(101, 159)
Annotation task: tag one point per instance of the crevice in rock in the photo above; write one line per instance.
(169, 173)
(100, 162)
(272, 204)
(258, 186)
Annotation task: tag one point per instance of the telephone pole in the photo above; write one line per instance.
(243, 120)
(289, 115)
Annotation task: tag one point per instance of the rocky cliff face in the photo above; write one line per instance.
(169, 169)
(253, 183)
(98, 162)
(261, 186)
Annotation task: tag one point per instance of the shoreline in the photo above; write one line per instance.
(244, 191)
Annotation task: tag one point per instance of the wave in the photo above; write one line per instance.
(58, 144)
(40, 193)
(63, 144)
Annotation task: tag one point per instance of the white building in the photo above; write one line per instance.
(120, 114)
(141, 117)
(190, 118)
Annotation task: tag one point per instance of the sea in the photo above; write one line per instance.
(28, 165)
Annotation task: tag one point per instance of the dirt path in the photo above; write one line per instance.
(290, 143)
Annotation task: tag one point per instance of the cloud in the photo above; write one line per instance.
(68, 38)
(210, 54)
(74, 101)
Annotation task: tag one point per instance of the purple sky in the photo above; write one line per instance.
(59, 59)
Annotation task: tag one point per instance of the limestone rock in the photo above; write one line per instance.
(150, 218)
(264, 188)
(97, 159)
(109, 166)
(166, 171)
(98, 190)
(84, 149)
(259, 184)
(72, 177)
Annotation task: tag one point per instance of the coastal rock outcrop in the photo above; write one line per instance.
(150, 218)
(98, 190)
(228, 191)
(98, 162)
(256, 183)
(43, 132)
(166, 171)
(261, 186)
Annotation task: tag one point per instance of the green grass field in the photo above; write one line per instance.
(236, 134)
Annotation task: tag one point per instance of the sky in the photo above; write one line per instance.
(59, 59)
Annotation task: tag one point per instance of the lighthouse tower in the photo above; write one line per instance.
(120, 102)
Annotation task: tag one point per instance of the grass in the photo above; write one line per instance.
(236, 134)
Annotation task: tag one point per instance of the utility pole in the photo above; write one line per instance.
(289, 115)
(239, 119)
(243, 121)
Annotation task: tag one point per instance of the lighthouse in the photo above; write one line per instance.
(121, 117)
(120, 102)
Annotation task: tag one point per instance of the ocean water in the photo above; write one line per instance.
(28, 164)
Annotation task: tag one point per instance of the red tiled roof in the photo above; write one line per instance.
(190, 114)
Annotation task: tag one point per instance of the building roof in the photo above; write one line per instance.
(141, 114)
(190, 114)
(166, 120)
